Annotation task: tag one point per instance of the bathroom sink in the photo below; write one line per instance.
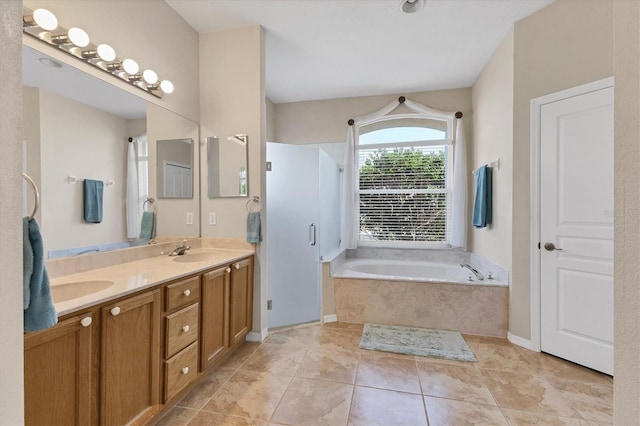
(193, 257)
(68, 291)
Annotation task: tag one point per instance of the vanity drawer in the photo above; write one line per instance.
(181, 329)
(180, 370)
(182, 293)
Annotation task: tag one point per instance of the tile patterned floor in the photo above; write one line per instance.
(317, 375)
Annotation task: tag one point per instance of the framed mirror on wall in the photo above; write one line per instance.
(227, 166)
(77, 125)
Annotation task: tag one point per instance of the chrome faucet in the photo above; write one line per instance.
(181, 249)
(473, 270)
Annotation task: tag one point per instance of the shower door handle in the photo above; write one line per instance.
(312, 234)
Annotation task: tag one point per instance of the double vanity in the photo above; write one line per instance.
(133, 338)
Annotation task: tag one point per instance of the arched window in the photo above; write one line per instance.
(403, 181)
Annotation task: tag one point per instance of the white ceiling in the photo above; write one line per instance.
(323, 49)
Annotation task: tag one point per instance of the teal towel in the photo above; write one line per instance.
(40, 313)
(482, 214)
(27, 263)
(93, 200)
(148, 226)
(254, 228)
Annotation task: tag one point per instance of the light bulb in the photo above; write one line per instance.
(78, 37)
(150, 76)
(106, 52)
(130, 66)
(166, 86)
(45, 19)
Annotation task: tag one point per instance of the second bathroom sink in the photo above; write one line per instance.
(73, 290)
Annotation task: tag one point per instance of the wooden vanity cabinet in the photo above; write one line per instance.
(181, 335)
(227, 310)
(241, 300)
(130, 358)
(214, 341)
(58, 373)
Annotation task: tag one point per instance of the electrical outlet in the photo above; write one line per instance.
(213, 219)
(189, 218)
(269, 305)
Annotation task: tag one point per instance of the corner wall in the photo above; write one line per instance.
(11, 348)
(492, 96)
(626, 386)
(232, 100)
(566, 44)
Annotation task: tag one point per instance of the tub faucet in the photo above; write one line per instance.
(473, 270)
(181, 249)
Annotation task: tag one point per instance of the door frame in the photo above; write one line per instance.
(534, 181)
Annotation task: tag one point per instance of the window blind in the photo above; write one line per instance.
(403, 195)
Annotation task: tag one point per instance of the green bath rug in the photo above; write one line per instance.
(416, 341)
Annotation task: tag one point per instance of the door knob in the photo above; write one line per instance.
(550, 247)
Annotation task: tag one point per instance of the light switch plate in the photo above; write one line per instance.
(213, 220)
(189, 218)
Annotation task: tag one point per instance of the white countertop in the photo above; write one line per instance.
(131, 277)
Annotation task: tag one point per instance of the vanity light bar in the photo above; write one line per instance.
(43, 25)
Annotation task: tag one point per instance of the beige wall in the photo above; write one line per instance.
(325, 121)
(172, 212)
(232, 101)
(563, 45)
(148, 31)
(11, 363)
(493, 138)
(271, 121)
(626, 409)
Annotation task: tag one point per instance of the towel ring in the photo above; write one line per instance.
(36, 204)
(150, 201)
(255, 200)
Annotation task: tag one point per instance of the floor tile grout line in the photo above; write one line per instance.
(424, 402)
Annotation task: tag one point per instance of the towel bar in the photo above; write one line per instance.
(36, 204)
(494, 164)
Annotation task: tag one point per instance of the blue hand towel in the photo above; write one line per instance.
(148, 226)
(41, 313)
(482, 213)
(27, 263)
(93, 200)
(254, 227)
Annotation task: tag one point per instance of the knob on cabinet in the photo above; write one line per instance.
(187, 292)
(115, 311)
(86, 322)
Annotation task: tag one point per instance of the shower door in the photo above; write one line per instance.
(293, 214)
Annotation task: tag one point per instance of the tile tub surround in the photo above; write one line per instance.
(479, 310)
(332, 382)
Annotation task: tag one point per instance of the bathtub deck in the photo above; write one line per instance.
(480, 310)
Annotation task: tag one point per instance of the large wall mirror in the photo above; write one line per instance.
(76, 127)
(227, 166)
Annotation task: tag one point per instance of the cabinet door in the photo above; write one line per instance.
(57, 373)
(214, 340)
(241, 300)
(130, 365)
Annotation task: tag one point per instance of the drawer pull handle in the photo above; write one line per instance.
(228, 270)
(86, 322)
(187, 292)
(185, 328)
(185, 370)
(115, 311)
(237, 266)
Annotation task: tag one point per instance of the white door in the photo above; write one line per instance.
(293, 212)
(576, 229)
(177, 180)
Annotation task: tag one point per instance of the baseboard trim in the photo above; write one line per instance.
(259, 337)
(330, 318)
(516, 340)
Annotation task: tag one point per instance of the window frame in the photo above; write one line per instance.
(447, 141)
